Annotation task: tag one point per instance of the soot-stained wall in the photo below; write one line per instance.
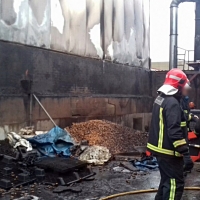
(116, 30)
(71, 88)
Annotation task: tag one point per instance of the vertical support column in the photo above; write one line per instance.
(197, 33)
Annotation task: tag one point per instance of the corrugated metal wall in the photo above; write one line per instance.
(116, 30)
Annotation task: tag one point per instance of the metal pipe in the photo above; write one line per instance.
(174, 31)
(31, 109)
(173, 37)
(197, 33)
(44, 109)
(31, 104)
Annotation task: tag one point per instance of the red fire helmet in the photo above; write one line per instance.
(175, 81)
(187, 85)
(191, 105)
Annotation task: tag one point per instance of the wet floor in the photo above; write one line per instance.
(108, 182)
(186, 196)
(152, 181)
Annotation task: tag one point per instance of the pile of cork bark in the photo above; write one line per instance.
(116, 138)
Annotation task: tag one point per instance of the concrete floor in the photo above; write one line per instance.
(152, 181)
(108, 182)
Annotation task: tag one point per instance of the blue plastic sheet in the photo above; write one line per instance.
(146, 164)
(56, 142)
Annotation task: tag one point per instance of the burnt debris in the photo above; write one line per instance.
(20, 170)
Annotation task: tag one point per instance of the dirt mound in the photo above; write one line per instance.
(116, 138)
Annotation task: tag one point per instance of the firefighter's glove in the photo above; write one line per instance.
(188, 163)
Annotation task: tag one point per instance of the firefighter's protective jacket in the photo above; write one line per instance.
(168, 129)
(184, 102)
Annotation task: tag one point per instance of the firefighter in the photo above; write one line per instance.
(185, 105)
(167, 140)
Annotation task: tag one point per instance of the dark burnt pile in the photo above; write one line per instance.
(7, 149)
(22, 172)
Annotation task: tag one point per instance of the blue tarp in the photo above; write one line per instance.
(56, 142)
(148, 163)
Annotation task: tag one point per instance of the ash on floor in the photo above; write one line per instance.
(108, 182)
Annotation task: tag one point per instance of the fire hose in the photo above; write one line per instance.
(142, 192)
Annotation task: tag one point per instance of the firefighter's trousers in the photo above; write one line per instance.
(172, 179)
